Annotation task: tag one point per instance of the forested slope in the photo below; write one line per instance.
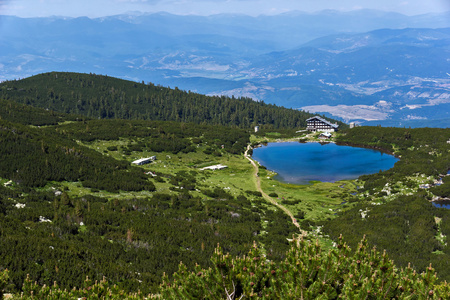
(393, 211)
(118, 225)
(32, 157)
(307, 272)
(29, 115)
(105, 97)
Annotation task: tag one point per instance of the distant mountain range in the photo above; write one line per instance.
(346, 65)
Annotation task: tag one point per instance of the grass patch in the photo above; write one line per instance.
(276, 134)
(236, 178)
(82, 229)
(318, 201)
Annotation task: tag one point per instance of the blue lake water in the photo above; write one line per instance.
(300, 163)
(442, 204)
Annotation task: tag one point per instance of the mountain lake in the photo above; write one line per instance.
(300, 163)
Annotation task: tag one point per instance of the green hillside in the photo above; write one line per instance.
(105, 97)
(29, 115)
(393, 208)
(72, 205)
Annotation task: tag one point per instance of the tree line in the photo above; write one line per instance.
(103, 97)
(157, 136)
(32, 157)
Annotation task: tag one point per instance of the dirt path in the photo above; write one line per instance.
(267, 197)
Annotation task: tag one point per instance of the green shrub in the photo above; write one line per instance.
(307, 272)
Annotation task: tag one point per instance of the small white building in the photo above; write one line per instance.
(256, 128)
(215, 167)
(144, 161)
(325, 135)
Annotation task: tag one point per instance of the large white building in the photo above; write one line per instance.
(317, 123)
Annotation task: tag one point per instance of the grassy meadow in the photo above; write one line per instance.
(317, 201)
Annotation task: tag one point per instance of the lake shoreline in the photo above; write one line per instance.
(297, 164)
(368, 147)
(330, 142)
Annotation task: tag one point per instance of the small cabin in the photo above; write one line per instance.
(144, 161)
(320, 124)
(325, 135)
(215, 167)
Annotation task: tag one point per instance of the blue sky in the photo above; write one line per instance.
(98, 8)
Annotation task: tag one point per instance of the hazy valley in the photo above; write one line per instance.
(323, 62)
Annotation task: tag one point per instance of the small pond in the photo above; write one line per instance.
(300, 163)
(442, 204)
